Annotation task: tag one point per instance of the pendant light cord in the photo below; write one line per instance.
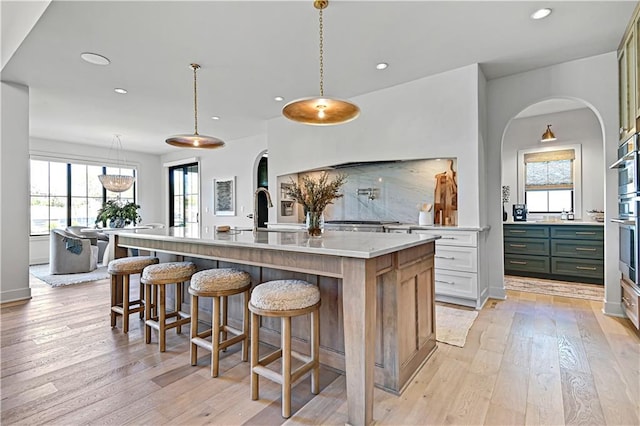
(321, 58)
(195, 97)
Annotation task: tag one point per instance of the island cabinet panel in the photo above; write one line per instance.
(405, 320)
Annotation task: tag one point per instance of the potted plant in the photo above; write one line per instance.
(118, 215)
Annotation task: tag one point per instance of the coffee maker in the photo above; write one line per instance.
(519, 212)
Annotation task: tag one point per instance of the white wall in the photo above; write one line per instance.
(433, 117)
(237, 158)
(148, 192)
(579, 126)
(593, 80)
(14, 187)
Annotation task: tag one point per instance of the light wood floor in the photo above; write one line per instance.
(532, 359)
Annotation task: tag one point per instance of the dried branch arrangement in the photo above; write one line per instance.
(315, 195)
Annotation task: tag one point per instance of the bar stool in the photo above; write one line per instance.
(219, 284)
(159, 276)
(285, 299)
(125, 267)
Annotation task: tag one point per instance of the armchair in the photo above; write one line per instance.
(96, 237)
(70, 254)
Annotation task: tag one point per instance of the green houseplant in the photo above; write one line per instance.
(118, 215)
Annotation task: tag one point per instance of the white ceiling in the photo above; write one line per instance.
(253, 51)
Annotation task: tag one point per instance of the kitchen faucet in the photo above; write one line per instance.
(255, 205)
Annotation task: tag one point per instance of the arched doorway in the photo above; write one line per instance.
(262, 180)
(579, 137)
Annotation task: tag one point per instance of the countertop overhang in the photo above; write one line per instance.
(557, 222)
(364, 245)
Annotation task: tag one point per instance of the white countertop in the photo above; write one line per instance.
(559, 222)
(333, 243)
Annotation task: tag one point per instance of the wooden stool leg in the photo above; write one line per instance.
(154, 304)
(142, 300)
(147, 314)
(215, 336)
(315, 351)
(286, 366)
(255, 327)
(194, 328)
(223, 316)
(125, 303)
(113, 299)
(178, 305)
(245, 326)
(162, 319)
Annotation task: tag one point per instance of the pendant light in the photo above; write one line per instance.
(119, 182)
(195, 140)
(548, 135)
(322, 110)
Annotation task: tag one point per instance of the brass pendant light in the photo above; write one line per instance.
(548, 135)
(322, 110)
(195, 140)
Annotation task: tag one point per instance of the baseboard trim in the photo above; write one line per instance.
(498, 292)
(613, 309)
(15, 295)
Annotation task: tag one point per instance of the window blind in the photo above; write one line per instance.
(549, 170)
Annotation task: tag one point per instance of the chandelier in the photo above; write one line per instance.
(119, 182)
(321, 111)
(195, 140)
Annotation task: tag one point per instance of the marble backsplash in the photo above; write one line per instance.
(392, 191)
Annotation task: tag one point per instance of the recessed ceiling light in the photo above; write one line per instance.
(541, 13)
(382, 66)
(215, 117)
(120, 90)
(278, 99)
(94, 58)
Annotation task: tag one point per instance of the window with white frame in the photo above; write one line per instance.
(550, 179)
(65, 194)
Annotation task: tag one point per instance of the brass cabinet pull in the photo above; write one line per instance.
(585, 249)
(517, 245)
(517, 231)
(517, 262)
(446, 282)
(585, 233)
(627, 302)
(444, 257)
(587, 268)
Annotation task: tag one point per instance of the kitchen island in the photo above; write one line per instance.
(377, 316)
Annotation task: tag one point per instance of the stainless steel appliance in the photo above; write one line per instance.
(628, 166)
(357, 225)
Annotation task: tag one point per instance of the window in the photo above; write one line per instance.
(184, 195)
(549, 181)
(65, 194)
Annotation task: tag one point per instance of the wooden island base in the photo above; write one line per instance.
(377, 318)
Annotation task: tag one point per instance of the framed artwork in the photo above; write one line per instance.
(224, 196)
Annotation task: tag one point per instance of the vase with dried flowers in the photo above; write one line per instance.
(314, 195)
(506, 193)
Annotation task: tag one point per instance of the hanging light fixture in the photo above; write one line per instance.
(322, 110)
(195, 140)
(119, 182)
(548, 135)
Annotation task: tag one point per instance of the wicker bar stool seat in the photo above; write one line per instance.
(160, 276)
(285, 299)
(219, 284)
(125, 267)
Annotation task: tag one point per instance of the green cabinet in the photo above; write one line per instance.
(563, 252)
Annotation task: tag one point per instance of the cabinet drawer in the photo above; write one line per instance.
(537, 246)
(630, 303)
(457, 258)
(580, 232)
(523, 231)
(584, 249)
(451, 238)
(452, 283)
(524, 263)
(577, 267)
